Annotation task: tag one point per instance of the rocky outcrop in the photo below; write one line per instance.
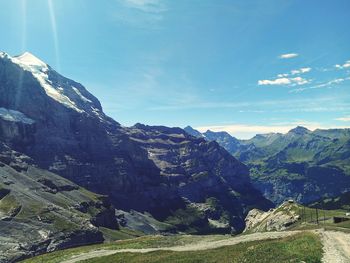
(279, 219)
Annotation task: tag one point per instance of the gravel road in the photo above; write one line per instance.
(336, 246)
(202, 245)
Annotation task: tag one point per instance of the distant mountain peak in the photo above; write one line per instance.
(299, 130)
(188, 127)
(193, 132)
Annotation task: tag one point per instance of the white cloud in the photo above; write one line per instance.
(345, 119)
(289, 55)
(322, 85)
(300, 71)
(294, 72)
(279, 81)
(343, 66)
(284, 81)
(347, 64)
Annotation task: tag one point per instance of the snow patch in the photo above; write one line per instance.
(40, 70)
(31, 61)
(97, 112)
(81, 95)
(4, 55)
(15, 116)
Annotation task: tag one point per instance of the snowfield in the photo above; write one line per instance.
(16, 116)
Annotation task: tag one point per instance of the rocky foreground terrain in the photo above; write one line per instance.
(52, 128)
(301, 164)
(41, 211)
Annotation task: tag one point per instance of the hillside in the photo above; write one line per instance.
(301, 164)
(290, 232)
(40, 211)
(338, 202)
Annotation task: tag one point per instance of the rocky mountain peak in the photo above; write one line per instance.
(193, 132)
(299, 130)
(217, 134)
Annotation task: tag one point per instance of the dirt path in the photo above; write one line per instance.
(202, 245)
(336, 246)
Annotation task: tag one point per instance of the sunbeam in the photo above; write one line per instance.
(54, 32)
(23, 49)
(24, 25)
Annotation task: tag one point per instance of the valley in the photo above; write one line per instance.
(302, 165)
(159, 131)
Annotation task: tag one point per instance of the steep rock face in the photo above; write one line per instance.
(300, 164)
(201, 173)
(72, 137)
(39, 210)
(16, 128)
(75, 139)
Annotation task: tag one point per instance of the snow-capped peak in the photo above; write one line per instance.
(40, 71)
(30, 60)
(68, 93)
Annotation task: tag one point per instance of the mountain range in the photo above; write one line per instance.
(301, 164)
(65, 166)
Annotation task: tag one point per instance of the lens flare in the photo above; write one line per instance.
(54, 32)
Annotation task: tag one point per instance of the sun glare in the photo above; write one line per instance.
(54, 32)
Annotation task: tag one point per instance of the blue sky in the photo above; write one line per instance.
(246, 67)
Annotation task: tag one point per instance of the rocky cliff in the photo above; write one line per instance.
(204, 178)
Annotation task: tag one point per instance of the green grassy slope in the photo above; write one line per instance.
(301, 247)
(302, 164)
